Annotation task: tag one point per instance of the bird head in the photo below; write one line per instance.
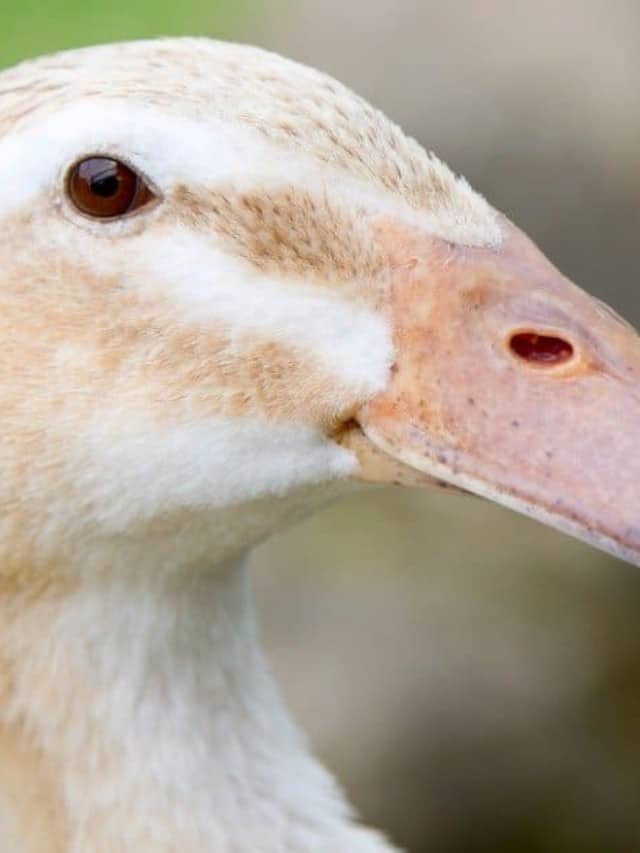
(228, 282)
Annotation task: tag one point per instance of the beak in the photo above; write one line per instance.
(511, 383)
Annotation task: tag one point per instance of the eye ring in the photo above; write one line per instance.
(105, 188)
(541, 350)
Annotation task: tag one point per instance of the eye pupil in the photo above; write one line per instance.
(546, 350)
(106, 188)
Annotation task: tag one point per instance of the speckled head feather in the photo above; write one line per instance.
(295, 107)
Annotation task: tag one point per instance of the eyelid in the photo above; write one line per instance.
(112, 153)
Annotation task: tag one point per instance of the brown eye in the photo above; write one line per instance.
(105, 188)
(545, 350)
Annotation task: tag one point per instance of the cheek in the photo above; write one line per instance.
(329, 329)
(120, 402)
(167, 318)
(153, 477)
(241, 376)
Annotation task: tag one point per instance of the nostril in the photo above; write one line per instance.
(546, 350)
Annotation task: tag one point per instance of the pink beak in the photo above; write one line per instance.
(512, 383)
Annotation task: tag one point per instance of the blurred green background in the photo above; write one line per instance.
(31, 27)
(472, 678)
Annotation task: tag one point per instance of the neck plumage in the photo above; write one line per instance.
(143, 714)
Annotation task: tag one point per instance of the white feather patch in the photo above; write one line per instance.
(209, 286)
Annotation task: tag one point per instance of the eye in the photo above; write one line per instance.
(104, 188)
(544, 350)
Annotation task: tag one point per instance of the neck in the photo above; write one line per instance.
(153, 723)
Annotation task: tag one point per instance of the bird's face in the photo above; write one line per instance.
(226, 281)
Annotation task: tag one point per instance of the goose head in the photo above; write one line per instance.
(230, 289)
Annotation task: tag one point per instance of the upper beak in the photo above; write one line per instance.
(512, 383)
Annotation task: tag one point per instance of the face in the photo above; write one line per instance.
(227, 282)
(186, 321)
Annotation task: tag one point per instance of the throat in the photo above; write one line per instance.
(153, 709)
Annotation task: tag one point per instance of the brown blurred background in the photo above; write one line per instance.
(471, 677)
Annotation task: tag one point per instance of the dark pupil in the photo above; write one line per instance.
(106, 184)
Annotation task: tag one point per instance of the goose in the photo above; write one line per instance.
(231, 292)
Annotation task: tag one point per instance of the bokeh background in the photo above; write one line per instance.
(472, 678)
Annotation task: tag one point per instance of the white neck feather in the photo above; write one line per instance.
(172, 707)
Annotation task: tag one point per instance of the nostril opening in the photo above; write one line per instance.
(546, 350)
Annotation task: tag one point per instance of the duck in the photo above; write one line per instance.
(231, 292)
